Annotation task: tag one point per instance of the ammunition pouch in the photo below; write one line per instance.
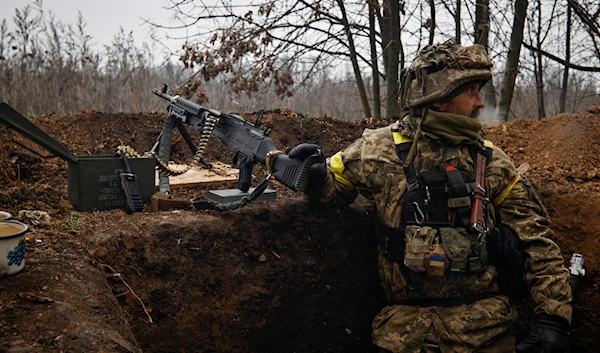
(465, 252)
(418, 241)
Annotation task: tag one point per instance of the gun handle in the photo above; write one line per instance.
(245, 178)
(294, 173)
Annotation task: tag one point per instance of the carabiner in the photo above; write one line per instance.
(422, 216)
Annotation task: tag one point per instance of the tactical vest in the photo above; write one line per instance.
(436, 212)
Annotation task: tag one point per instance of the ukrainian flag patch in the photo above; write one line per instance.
(436, 261)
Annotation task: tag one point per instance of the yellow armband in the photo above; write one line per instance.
(337, 166)
(498, 200)
(399, 138)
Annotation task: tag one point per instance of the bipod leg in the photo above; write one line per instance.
(186, 136)
(188, 139)
(156, 143)
(164, 152)
(206, 164)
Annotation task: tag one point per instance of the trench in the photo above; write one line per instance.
(287, 276)
(278, 277)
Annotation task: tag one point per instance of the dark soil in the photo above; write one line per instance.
(285, 276)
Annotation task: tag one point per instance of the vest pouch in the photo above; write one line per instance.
(436, 261)
(418, 241)
(480, 262)
(457, 244)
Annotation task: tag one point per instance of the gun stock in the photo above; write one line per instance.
(477, 222)
(294, 173)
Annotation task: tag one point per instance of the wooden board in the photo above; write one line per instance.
(220, 173)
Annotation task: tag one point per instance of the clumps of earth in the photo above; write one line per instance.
(283, 276)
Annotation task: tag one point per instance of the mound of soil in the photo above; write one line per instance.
(285, 276)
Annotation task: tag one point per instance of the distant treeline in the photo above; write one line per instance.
(47, 66)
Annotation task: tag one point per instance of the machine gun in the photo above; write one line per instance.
(251, 144)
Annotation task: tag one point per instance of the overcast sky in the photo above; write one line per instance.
(104, 18)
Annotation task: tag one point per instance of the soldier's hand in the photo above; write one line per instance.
(548, 335)
(318, 171)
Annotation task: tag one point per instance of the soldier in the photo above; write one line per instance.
(448, 278)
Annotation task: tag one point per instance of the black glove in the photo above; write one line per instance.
(318, 171)
(548, 334)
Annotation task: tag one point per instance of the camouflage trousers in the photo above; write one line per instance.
(502, 344)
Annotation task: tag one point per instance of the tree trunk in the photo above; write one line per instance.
(374, 64)
(385, 28)
(482, 32)
(457, 21)
(364, 100)
(391, 52)
(540, 67)
(565, 83)
(512, 61)
(431, 21)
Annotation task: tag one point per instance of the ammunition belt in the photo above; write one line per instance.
(207, 130)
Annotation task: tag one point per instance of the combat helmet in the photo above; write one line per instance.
(440, 69)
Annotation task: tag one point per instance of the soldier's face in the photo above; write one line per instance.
(468, 103)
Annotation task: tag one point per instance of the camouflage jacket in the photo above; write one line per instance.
(371, 167)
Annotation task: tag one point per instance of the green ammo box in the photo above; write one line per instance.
(94, 181)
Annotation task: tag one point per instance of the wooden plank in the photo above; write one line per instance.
(220, 173)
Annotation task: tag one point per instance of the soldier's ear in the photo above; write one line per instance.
(443, 108)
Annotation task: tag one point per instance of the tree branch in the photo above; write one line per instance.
(562, 61)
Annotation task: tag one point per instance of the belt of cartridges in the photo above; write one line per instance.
(207, 130)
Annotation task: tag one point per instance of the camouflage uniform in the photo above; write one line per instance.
(371, 167)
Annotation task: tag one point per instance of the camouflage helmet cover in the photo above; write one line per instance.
(440, 69)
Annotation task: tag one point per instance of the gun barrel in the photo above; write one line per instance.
(182, 103)
(163, 94)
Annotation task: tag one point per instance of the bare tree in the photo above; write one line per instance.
(431, 21)
(456, 15)
(541, 28)
(538, 62)
(457, 20)
(359, 81)
(47, 66)
(392, 49)
(565, 83)
(512, 61)
(261, 43)
(481, 34)
(373, 9)
(585, 12)
(284, 47)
